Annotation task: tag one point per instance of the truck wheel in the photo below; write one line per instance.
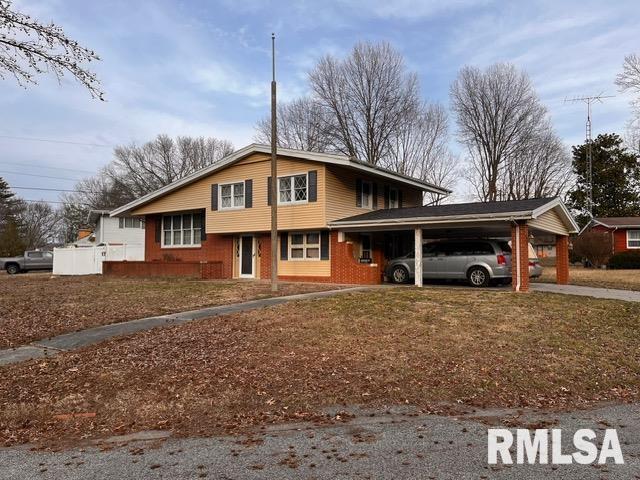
(478, 277)
(12, 269)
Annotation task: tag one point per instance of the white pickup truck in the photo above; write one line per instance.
(31, 260)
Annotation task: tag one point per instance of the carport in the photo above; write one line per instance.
(515, 218)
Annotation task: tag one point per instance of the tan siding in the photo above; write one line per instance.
(341, 193)
(549, 221)
(258, 218)
(317, 268)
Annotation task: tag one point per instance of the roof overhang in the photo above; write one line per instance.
(238, 155)
(461, 220)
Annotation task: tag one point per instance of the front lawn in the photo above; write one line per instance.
(591, 277)
(36, 306)
(435, 348)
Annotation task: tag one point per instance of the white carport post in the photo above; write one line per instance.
(418, 257)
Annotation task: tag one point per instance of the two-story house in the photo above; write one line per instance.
(215, 223)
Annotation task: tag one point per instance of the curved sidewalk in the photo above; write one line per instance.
(609, 293)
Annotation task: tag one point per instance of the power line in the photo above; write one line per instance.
(33, 139)
(41, 176)
(52, 189)
(53, 201)
(20, 164)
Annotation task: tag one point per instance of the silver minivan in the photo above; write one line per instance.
(478, 261)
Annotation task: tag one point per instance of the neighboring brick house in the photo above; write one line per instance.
(624, 231)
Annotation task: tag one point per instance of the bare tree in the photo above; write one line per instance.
(539, 167)
(366, 98)
(29, 48)
(143, 169)
(496, 111)
(38, 224)
(420, 148)
(301, 126)
(629, 81)
(595, 247)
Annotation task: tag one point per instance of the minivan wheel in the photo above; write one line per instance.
(13, 269)
(478, 277)
(399, 274)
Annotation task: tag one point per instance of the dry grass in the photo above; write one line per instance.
(590, 277)
(390, 346)
(36, 306)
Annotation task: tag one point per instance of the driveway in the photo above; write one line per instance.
(609, 293)
(398, 443)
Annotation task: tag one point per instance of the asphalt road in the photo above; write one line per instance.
(391, 444)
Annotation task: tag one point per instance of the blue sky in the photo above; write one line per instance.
(203, 67)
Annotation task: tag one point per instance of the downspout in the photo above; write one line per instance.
(518, 270)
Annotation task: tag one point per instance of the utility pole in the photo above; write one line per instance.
(589, 141)
(274, 172)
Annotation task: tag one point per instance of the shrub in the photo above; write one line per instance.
(625, 260)
(593, 246)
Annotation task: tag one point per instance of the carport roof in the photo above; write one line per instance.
(456, 212)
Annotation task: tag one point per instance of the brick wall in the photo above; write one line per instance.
(562, 259)
(216, 248)
(523, 241)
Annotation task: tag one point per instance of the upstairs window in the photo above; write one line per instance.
(293, 189)
(394, 198)
(130, 222)
(633, 238)
(232, 195)
(367, 196)
(181, 230)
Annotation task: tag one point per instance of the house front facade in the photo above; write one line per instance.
(624, 231)
(216, 222)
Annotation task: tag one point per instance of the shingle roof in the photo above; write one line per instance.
(455, 209)
(619, 221)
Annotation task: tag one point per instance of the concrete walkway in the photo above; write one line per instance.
(71, 341)
(610, 293)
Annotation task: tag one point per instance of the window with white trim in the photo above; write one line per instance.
(293, 189)
(304, 246)
(394, 198)
(367, 195)
(181, 230)
(130, 222)
(633, 238)
(232, 195)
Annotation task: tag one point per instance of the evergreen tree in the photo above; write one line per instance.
(616, 179)
(11, 243)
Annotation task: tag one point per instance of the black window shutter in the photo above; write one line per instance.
(313, 186)
(203, 225)
(269, 191)
(324, 245)
(214, 196)
(248, 193)
(158, 228)
(374, 193)
(358, 192)
(399, 198)
(386, 196)
(284, 246)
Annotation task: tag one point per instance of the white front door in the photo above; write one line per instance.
(247, 256)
